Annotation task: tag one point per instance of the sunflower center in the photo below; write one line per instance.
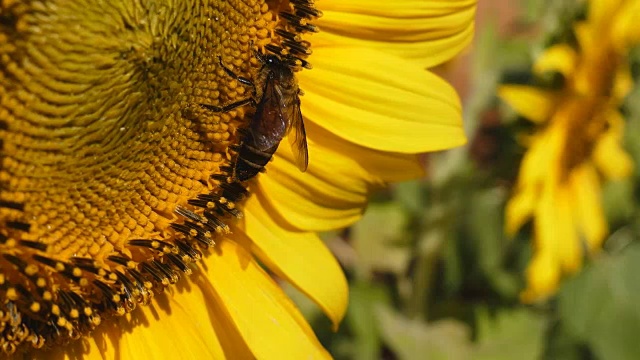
(586, 121)
(585, 111)
(112, 177)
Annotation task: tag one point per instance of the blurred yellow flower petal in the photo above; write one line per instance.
(560, 228)
(518, 211)
(543, 277)
(602, 13)
(590, 219)
(623, 81)
(534, 104)
(560, 57)
(609, 156)
(625, 32)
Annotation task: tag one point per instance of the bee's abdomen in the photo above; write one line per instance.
(250, 161)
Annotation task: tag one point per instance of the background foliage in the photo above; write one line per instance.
(432, 274)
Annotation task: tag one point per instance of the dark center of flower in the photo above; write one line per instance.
(112, 178)
(586, 121)
(589, 100)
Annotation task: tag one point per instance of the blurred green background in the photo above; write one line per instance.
(440, 280)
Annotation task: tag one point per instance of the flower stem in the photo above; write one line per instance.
(429, 248)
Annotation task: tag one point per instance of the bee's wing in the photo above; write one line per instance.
(298, 140)
(269, 125)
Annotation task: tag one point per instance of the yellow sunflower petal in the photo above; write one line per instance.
(519, 209)
(316, 272)
(330, 194)
(585, 36)
(382, 166)
(333, 191)
(267, 320)
(545, 225)
(553, 228)
(543, 272)
(585, 186)
(626, 32)
(561, 58)
(611, 159)
(623, 83)
(170, 331)
(558, 227)
(541, 161)
(603, 11)
(543, 277)
(389, 167)
(429, 32)
(534, 104)
(386, 103)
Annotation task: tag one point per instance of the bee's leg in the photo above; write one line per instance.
(229, 107)
(259, 56)
(240, 79)
(257, 52)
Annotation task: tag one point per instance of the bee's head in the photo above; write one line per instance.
(271, 60)
(277, 66)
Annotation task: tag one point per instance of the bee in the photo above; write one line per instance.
(276, 99)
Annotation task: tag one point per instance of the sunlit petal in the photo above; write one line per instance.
(257, 306)
(317, 274)
(428, 32)
(406, 109)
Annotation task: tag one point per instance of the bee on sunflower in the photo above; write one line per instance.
(116, 182)
(576, 144)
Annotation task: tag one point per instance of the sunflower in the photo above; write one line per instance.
(576, 145)
(117, 176)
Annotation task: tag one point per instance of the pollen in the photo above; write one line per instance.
(113, 177)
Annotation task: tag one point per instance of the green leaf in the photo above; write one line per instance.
(511, 334)
(414, 340)
(486, 226)
(618, 200)
(362, 321)
(377, 239)
(601, 305)
(410, 194)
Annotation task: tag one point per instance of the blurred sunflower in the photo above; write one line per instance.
(577, 144)
(115, 181)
